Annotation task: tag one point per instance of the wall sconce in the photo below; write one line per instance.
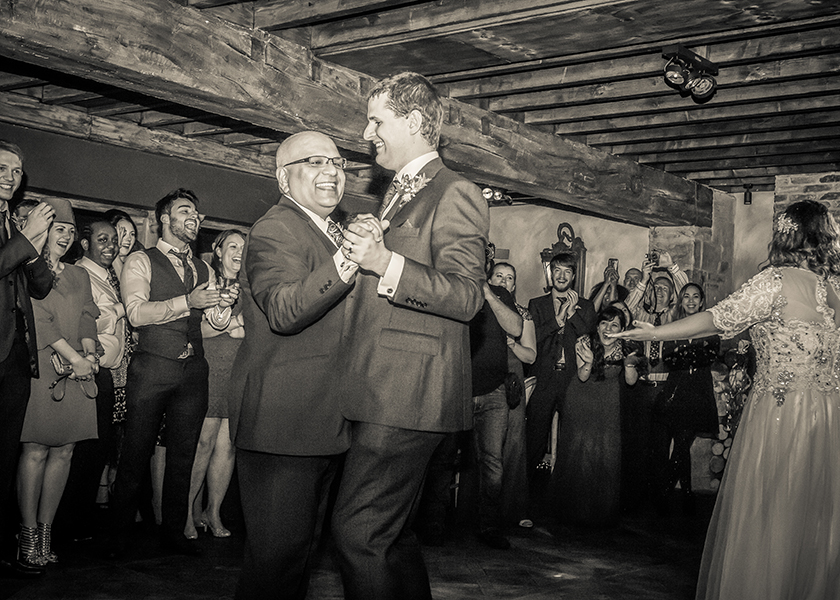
(496, 196)
(689, 73)
(747, 193)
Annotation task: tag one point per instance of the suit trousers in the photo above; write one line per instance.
(378, 554)
(76, 513)
(284, 500)
(15, 382)
(158, 386)
(547, 399)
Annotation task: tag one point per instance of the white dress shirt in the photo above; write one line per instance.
(135, 284)
(346, 268)
(110, 325)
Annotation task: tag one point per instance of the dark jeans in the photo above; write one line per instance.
(15, 380)
(379, 555)
(155, 386)
(284, 500)
(489, 430)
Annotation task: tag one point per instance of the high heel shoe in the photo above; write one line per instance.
(219, 532)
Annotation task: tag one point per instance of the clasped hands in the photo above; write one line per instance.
(364, 243)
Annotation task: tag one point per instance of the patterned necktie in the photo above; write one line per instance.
(389, 195)
(184, 257)
(115, 282)
(334, 231)
(654, 346)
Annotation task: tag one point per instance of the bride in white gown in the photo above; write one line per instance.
(775, 530)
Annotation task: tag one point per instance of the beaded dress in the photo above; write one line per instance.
(775, 530)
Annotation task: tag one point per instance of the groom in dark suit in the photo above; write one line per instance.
(406, 354)
(285, 418)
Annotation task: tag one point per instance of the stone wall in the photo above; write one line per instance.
(822, 187)
(704, 253)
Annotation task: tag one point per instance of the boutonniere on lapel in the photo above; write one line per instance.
(408, 188)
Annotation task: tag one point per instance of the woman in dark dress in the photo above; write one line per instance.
(61, 410)
(215, 454)
(687, 404)
(587, 477)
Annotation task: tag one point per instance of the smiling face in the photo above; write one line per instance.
(390, 133)
(632, 278)
(230, 254)
(608, 327)
(182, 222)
(102, 247)
(504, 276)
(317, 188)
(663, 289)
(562, 277)
(126, 235)
(11, 174)
(691, 300)
(60, 238)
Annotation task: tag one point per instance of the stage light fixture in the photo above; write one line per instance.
(747, 193)
(689, 73)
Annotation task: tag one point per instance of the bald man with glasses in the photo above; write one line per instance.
(285, 417)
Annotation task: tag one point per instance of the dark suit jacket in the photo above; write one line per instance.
(580, 323)
(407, 361)
(31, 280)
(285, 395)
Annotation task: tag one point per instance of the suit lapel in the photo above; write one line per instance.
(323, 237)
(429, 170)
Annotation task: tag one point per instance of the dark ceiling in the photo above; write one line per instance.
(588, 70)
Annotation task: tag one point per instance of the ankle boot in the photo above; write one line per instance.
(28, 555)
(45, 543)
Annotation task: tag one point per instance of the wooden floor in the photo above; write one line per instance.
(647, 557)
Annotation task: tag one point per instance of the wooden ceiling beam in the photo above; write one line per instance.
(746, 173)
(695, 117)
(443, 17)
(761, 124)
(713, 141)
(183, 55)
(26, 112)
(736, 152)
(747, 162)
(663, 106)
(482, 77)
(610, 91)
(272, 15)
(585, 70)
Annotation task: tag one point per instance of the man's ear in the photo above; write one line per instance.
(84, 244)
(164, 218)
(415, 121)
(283, 180)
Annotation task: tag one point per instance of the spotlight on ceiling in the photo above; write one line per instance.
(496, 197)
(689, 73)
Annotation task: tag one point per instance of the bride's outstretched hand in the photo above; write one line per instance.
(642, 333)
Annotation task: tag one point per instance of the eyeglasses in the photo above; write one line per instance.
(319, 162)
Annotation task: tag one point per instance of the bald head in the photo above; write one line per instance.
(318, 188)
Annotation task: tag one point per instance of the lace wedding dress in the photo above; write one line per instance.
(775, 530)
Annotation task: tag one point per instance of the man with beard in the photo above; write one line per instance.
(560, 318)
(165, 289)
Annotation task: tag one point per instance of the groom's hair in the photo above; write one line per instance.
(411, 91)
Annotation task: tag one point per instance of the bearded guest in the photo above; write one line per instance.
(560, 318)
(166, 292)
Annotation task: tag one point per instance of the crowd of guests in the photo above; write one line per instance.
(344, 358)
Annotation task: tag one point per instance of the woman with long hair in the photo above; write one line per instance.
(587, 476)
(61, 409)
(773, 533)
(687, 404)
(215, 454)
